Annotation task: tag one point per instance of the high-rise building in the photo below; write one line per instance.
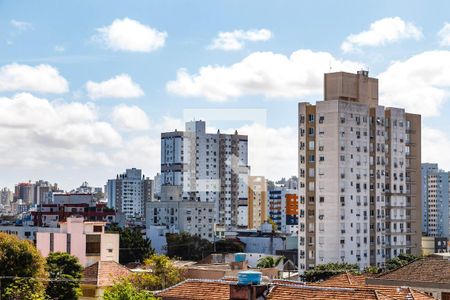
(24, 191)
(283, 209)
(359, 176)
(6, 196)
(435, 201)
(257, 201)
(129, 193)
(42, 191)
(204, 174)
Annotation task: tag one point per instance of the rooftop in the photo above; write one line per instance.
(104, 273)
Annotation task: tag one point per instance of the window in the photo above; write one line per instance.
(98, 228)
(321, 199)
(93, 244)
(311, 131)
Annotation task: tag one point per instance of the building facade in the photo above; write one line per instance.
(359, 174)
(257, 201)
(129, 193)
(283, 209)
(207, 172)
(435, 201)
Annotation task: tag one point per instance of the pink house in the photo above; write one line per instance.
(85, 240)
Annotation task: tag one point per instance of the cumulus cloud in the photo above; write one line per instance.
(120, 86)
(261, 73)
(21, 25)
(41, 78)
(444, 35)
(382, 32)
(44, 132)
(130, 35)
(434, 143)
(130, 117)
(235, 40)
(420, 83)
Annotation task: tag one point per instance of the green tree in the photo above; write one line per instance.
(126, 290)
(133, 246)
(325, 271)
(188, 247)
(229, 246)
(163, 274)
(66, 272)
(400, 260)
(269, 262)
(19, 258)
(372, 270)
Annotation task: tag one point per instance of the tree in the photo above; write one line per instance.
(274, 225)
(163, 274)
(188, 247)
(269, 262)
(325, 271)
(372, 270)
(19, 258)
(125, 290)
(66, 272)
(133, 247)
(400, 260)
(229, 246)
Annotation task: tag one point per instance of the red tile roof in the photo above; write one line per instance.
(297, 292)
(104, 273)
(194, 289)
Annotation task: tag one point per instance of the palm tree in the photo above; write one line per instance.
(269, 262)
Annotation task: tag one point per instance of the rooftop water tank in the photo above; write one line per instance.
(249, 277)
(239, 257)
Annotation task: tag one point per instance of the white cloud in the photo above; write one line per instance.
(130, 35)
(235, 40)
(261, 73)
(444, 35)
(21, 25)
(120, 86)
(420, 84)
(43, 133)
(130, 117)
(382, 32)
(41, 78)
(435, 142)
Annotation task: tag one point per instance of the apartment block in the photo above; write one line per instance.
(207, 172)
(435, 201)
(359, 176)
(257, 201)
(283, 209)
(129, 193)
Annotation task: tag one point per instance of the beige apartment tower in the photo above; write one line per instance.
(359, 176)
(257, 201)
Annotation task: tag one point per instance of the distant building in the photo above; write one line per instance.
(203, 181)
(85, 188)
(49, 215)
(73, 198)
(129, 193)
(257, 201)
(283, 209)
(435, 201)
(6, 196)
(24, 191)
(433, 244)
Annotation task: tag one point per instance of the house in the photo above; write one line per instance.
(430, 274)
(99, 276)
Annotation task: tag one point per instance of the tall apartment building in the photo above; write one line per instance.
(283, 209)
(359, 176)
(6, 196)
(203, 181)
(435, 201)
(24, 191)
(257, 201)
(129, 193)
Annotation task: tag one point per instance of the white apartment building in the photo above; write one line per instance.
(129, 192)
(205, 170)
(359, 168)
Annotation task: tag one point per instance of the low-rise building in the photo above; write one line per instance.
(432, 244)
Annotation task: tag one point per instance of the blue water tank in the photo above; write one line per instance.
(249, 277)
(239, 257)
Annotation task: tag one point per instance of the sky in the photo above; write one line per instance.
(86, 87)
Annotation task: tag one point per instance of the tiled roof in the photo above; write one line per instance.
(428, 269)
(347, 280)
(197, 290)
(104, 273)
(297, 292)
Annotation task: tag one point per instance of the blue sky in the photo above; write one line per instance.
(58, 129)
